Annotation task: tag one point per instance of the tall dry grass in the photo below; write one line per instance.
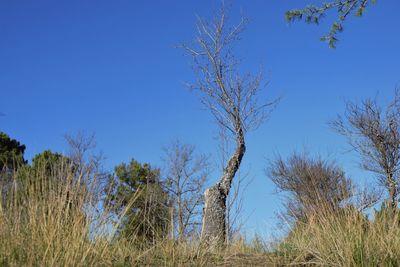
(44, 218)
(346, 238)
(55, 218)
(52, 216)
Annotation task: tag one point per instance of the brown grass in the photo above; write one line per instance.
(54, 219)
(344, 239)
(57, 221)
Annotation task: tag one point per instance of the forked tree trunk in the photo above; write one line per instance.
(214, 214)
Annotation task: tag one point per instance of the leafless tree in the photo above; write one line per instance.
(80, 145)
(186, 178)
(232, 97)
(312, 185)
(87, 164)
(374, 133)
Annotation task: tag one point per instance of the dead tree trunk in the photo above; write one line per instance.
(214, 217)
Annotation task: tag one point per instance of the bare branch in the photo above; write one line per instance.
(186, 176)
(311, 184)
(374, 134)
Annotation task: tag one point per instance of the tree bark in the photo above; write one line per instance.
(392, 192)
(180, 218)
(214, 214)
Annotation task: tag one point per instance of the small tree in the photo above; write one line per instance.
(146, 217)
(312, 185)
(186, 177)
(374, 134)
(232, 97)
(87, 163)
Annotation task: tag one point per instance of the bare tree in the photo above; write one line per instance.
(186, 177)
(231, 96)
(375, 134)
(87, 164)
(80, 145)
(312, 185)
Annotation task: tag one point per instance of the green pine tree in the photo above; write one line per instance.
(137, 188)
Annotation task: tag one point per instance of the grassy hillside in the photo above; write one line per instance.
(50, 223)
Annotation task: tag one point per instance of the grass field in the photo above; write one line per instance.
(58, 224)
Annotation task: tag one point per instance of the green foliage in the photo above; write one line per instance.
(49, 170)
(313, 14)
(11, 162)
(48, 162)
(11, 153)
(136, 190)
(49, 175)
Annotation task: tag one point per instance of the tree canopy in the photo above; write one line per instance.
(11, 152)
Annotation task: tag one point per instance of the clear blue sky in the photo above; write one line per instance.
(111, 68)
